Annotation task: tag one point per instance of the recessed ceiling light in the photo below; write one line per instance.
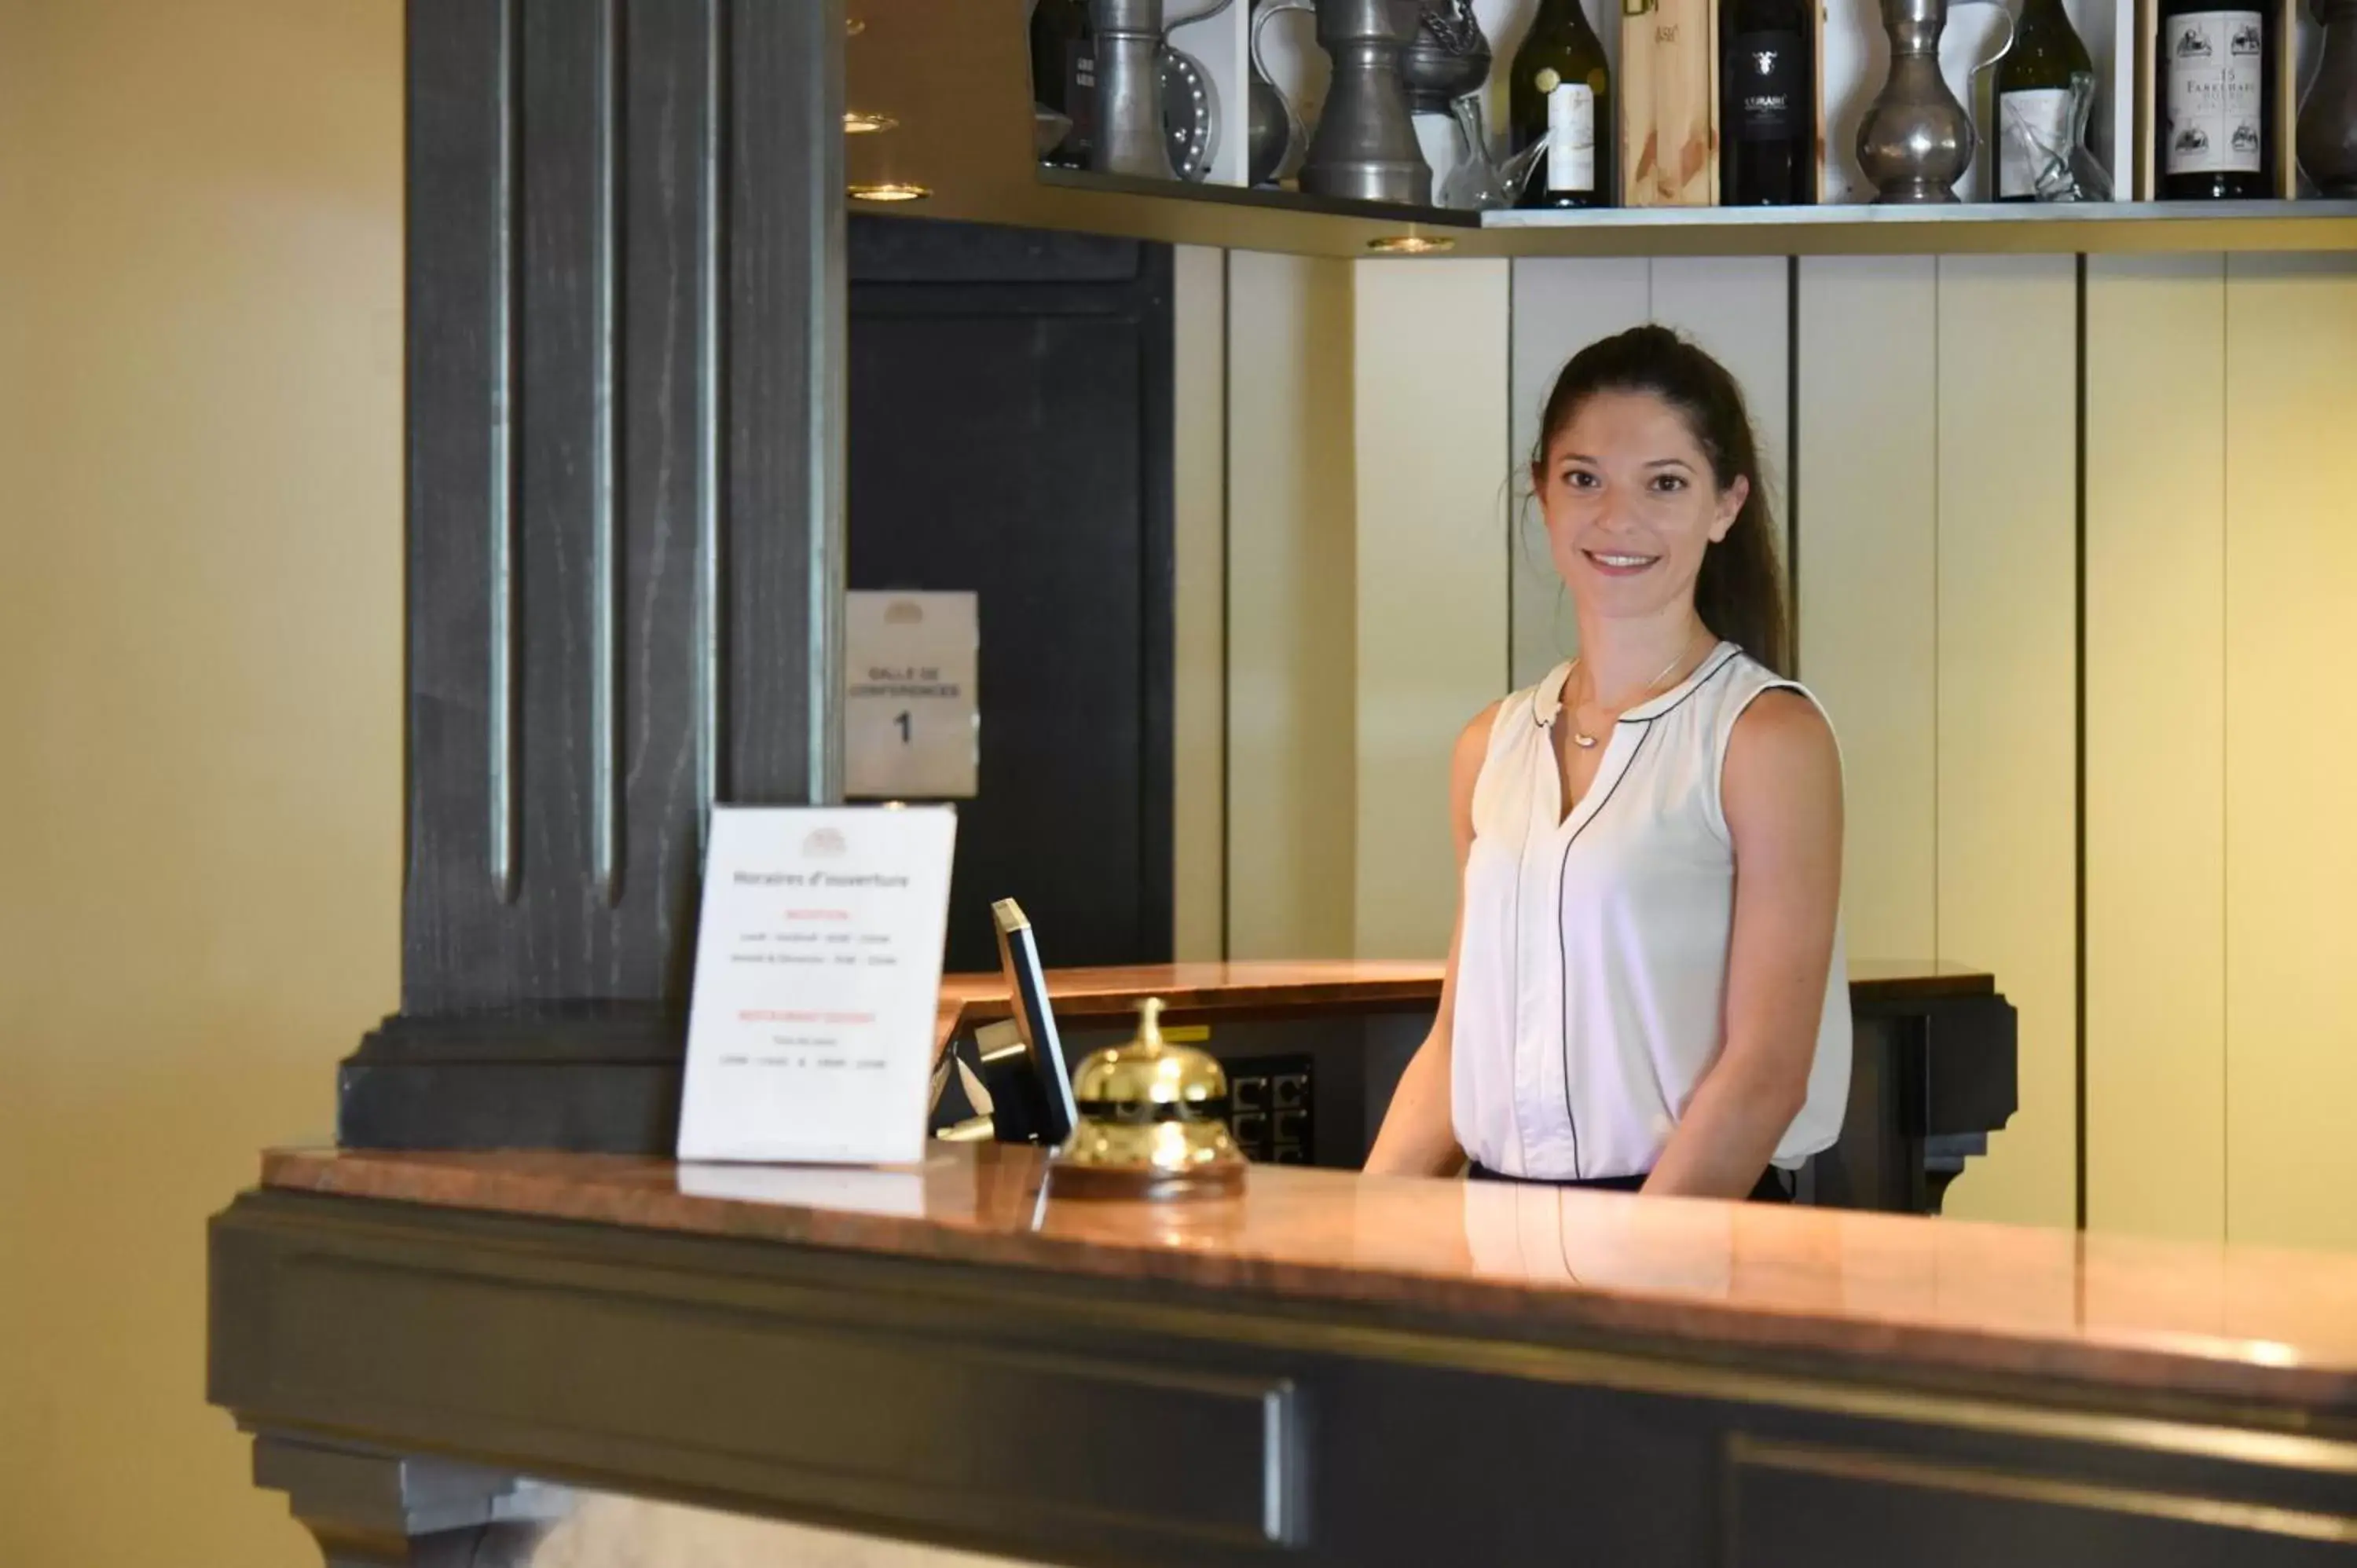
(853, 27)
(890, 190)
(855, 123)
(1410, 245)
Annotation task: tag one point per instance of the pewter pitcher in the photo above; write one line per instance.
(1131, 137)
(1365, 147)
(1276, 133)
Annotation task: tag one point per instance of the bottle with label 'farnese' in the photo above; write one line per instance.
(1562, 94)
(2215, 121)
(2033, 98)
(1767, 103)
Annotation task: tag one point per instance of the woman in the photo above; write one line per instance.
(1646, 988)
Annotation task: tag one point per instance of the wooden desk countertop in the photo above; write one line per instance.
(1890, 1296)
(968, 1000)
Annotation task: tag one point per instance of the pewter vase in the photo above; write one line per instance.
(1916, 140)
(2327, 138)
(1365, 147)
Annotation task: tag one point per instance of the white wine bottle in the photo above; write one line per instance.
(1562, 95)
(2033, 98)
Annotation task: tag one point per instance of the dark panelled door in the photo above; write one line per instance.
(1010, 436)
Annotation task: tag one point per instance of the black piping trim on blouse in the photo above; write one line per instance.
(1563, 869)
(1705, 679)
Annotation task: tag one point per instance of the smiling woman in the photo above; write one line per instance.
(1621, 1007)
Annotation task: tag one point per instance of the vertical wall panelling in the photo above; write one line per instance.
(2291, 750)
(1739, 308)
(1559, 305)
(1198, 685)
(1430, 385)
(2154, 737)
(1869, 450)
(2006, 712)
(1291, 721)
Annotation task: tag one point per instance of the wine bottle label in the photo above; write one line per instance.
(2213, 61)
(1080, 93)
(1571, 138)
(1765, 73)
(2033, 130)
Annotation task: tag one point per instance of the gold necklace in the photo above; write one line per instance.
(1586, 742)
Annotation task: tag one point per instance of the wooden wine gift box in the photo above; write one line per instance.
(1669, 92)
(1669, 103)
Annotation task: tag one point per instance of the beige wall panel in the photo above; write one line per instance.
(1560, 305)
(1869, 604)
(1292, 747)
(202, 786)
(2008, 741)
(1199, 584)
(2291, 746)
(21, 548)
(1741, 308)
(2155, 738)
(1431, 390)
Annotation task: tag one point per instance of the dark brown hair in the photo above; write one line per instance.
(1739, 591)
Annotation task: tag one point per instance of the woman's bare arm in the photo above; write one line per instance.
(1781, 794)
(1418, 1136)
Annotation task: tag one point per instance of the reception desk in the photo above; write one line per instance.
(1934, 1069)
(432, 1350)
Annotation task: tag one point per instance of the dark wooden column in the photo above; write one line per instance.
(626, 320)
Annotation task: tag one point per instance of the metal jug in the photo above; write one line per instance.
(1916, 140)
(1130, 136)
(1365, 147)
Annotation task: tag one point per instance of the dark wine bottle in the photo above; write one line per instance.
(2216, 87)
(1767, 103)
(1064, 76)
(1562, 96)
(2033, 98)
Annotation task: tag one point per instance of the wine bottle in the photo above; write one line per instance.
(2033, 97)
(1064, 76)
(2215, 120)
(1562, 95)
(1768, 104)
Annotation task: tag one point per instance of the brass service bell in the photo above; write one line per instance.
(1152, 1124)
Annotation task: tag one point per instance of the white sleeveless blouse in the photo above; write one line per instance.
(1591, 979)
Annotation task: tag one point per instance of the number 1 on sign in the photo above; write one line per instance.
(903, 722)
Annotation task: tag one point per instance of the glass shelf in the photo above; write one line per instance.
(1285, 220)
